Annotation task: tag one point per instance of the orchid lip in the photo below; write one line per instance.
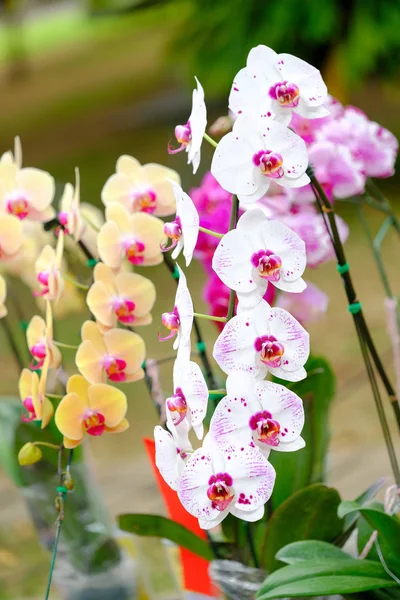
(177, 406)
(94, 423)
(286, 93)
(268, 264)
(145, 201)
(172, 322)
(266, 429)
(270, 350)
(220, 491)
(18, 206)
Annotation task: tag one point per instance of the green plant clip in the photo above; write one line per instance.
(92, 262)
(61, 489)
(354, 308)
(342, 269)
(201, 346)
(175, 273)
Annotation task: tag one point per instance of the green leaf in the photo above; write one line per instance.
(310, 550)
(329, 576)
(156, 526)
(347, 507)
(362, 500)
(296, 470)
(311, 513)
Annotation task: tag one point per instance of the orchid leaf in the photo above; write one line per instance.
(310, 550)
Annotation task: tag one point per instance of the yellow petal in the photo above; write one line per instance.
(17, 151)
(77, 384)
(3, 311)
(59, 249)
(38, 185)
(88, 361)
(43, 377)
(166, 203)
(25, 383)
(10, 234)
(123, 426)
(3, 290)
(47, 412)
(90, 332)
(119, 215)
(109, 245)
(99, 301)
(117, 189)
(150, 231)
(66, 198)
(126, 345)
(70, 444)
(155, 172)
(139, 290)
(137, 376)
(35, 332)
(105, 274)
(108, 401)
(70, 414)
(55, 356)
(128, 165)
(45, 260)
(49, 322)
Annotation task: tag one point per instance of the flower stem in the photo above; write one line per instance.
(210, 140)
(364, 336)
(210, 317)
(200, 342)
(68, 346)
(213, 233)
(232, 225)
(47, 444)
(81, 286)
(216, 392)
(55, 396)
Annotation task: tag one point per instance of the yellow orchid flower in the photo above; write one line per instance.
(32, 391)
(25, 192)
(117, 355)
(124, 297)
(140, 188)
(47, 267)
(69, 214)
(39, 336)
(90, 409)
(10, 237)
(137, 237)
(3, 296)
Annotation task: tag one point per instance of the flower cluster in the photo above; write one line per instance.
(230, 472)
(118, 298)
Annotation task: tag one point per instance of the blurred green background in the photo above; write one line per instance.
(85, 81)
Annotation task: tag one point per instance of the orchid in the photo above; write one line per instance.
(116, 355)
(275, 85)
(32, 391)
(126, 298)
(179, 321)
(26, 193)
(10, 237)
(69, 213)
(257, 252)
(141, 188)
(136, 237)
(190, 397)
(256, 152)
(183, 231)
(214, 482)
(190, 136)
(259, 413)
(39, 336)
(172, 453)
(263, 340)
(90, 409)
(48, 271)
(3, 296)
(307, 307)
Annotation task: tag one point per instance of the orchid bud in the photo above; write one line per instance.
(29, 454)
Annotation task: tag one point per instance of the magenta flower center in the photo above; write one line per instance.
(43, 279)
(63, 219)
(220, 491)
(271, 351)
(183, 134)
(144, 201)
(124, 310)
(286, 93)
(270, 163)
(171, 321)
(93, 423)
(267, 430)
(18, 205)
(115, 368)
(177, 406)
(268, 264)
(38, 352)
(134, 251)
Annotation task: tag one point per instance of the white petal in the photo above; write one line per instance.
(193, 485)
(313, 90)
(232, 262)
(188, 376)
(198, 123)
(249, 94)
(293, 336)
(252, 516)
(167, 458)
(295, 287)
(189, 218)
(232, 165)
(230, 421)
(263, 59)
(285, 407)
(184, 304)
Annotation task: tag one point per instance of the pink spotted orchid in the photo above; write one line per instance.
(136, 237)
(172, 453)
(26, 193)
(39, 336)
(257, 252)
(256, 152)
(125, 298)
(258, 413)
(184, 230)
(263, 340)
(215, 482)
(190, 397)
(275, 85)
(179, 321)
(116, 356)
(190, 135)
(48, 271)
